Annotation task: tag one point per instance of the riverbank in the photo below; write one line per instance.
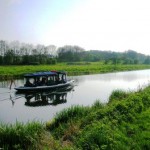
(122, 123)
(7, 72)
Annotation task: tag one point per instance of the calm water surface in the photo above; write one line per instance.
(88, 89)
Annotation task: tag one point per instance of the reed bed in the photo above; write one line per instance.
(20, 136)
(68, 114)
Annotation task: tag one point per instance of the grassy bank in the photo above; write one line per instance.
(123, 123)
(72, 69)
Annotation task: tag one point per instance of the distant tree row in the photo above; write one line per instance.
(16, 53)
(70, 53)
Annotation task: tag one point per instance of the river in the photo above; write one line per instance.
(88, 88)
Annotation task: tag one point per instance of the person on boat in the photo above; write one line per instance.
(57, 80)
(38, 82)
(43, 82)
(28, 83)
(63, 79)
(50, 81)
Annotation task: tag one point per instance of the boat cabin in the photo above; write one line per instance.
(45, 78)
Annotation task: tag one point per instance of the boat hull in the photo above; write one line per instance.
(44, 88)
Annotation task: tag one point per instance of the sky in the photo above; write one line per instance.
(116, 25)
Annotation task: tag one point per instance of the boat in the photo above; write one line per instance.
(47, 80)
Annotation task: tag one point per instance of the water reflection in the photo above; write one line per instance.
(128, 76)
(53, 98)
(42, 99)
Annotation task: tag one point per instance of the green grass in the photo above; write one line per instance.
(20, 136)
(123, 123)
(76, 69)
(118, 95)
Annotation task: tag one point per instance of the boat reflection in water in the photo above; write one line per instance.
(54, 98)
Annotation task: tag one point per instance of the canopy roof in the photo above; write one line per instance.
(46, 73)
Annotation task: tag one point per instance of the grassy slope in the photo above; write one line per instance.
(124, 123)
(16, 71)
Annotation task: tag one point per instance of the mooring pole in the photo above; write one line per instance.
(11, 82)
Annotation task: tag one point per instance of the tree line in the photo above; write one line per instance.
(16, 53)
(77, 54)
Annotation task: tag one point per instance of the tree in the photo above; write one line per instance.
(1, 60)
(3, 47)
(25, 59)
(9, 57)
(128, 61)
(147, 60)
(51, 49)
(136, 61)
(26, 49)
(70, 53)
(131, 54)
(15, 47)
(40, 49)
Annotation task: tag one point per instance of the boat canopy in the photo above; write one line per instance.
(46, 73)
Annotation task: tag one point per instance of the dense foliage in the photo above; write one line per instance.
(70, 54)
(74, 54)
(123, 123)
(127, 57)
(16, 53)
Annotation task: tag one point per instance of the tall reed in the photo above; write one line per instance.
(19, 135)
(68, 114)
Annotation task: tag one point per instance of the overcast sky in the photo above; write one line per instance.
(116, 25)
